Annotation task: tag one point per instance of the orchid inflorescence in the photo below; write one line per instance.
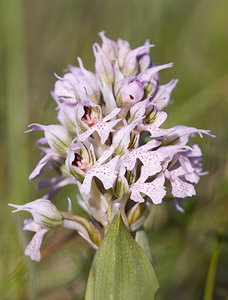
(111, 146)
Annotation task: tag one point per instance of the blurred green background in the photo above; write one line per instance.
(41, 37)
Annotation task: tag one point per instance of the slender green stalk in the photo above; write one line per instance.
(209, 288)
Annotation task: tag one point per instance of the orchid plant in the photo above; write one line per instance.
(110, 145)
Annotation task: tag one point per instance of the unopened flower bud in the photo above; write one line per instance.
(124, 48)
(103, 65)
(145, 61)
(163, 94)
(120, 186)
(132, 92)
(109, 47)
(128, 91)
(135, 212)
(132, 58)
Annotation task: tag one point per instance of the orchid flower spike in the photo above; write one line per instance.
(112, 145)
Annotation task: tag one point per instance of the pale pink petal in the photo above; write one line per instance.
(162, 97)
(151, 160)
(55, 184)
(155, 131)
(180, 188)
(123, 49)
(52, 156)
(132, 58)
(112, 114)
(148, 74)
(130, 158)
(153, 128)
(182, 134)
(145, 60)
(195, 152)
(150, 145)
(155, 190)
(161, 116)
(103, 128)
(193, 177)
(109, 47)
(84, 136)
(33, 248)
(30, 225)
(106, 173)
(64, 89)
(66, 116)
(106, 154)
(58, 137)
(186, 164)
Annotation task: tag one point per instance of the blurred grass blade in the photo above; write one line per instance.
(209, 288)
(16, 99)
(202, 101)
(120, 269)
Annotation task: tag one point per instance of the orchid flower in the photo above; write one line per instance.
(105, 172)
(103, 128)
(110, 145)
(155, 190)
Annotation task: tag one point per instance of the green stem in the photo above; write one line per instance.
(209, 287)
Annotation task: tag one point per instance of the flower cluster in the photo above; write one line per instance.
(109, 143)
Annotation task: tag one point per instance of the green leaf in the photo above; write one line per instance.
(142, 239)
(120, 269)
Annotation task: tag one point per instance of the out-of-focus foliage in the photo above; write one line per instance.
(39, 38)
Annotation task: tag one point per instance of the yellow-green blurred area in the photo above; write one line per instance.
(41, 37)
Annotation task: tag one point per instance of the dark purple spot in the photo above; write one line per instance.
(77, 158)
(87, 113)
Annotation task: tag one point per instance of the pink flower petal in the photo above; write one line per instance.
(103, 128)
(180, 188)
(162, 97)
(155, 190)
(52, 156)
(106, 172)
(33, 248)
